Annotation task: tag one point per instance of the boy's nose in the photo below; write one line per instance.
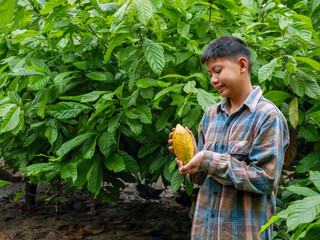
(214, 80)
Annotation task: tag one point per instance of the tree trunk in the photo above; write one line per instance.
(31, 190)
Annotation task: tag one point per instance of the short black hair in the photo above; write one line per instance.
(227, 46)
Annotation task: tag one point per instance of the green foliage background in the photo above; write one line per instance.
(89, 90)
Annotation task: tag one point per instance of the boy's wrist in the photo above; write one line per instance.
(206, 160)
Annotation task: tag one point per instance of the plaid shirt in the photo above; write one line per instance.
(240, 170)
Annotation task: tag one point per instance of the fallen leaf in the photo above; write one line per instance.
(77, 233)
(94, 229)
(4, 235)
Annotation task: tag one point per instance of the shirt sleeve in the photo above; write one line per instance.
(265, 159)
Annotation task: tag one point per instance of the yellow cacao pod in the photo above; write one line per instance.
(182, 144)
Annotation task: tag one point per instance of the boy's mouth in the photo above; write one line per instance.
(220, 88)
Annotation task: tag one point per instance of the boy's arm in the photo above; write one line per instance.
(266, 159)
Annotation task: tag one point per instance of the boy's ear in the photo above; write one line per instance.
(243, 64)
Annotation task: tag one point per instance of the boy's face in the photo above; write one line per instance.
(226, 76)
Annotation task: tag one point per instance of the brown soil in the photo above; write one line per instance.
(83, 218)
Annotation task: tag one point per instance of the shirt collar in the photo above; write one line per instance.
(251, 101)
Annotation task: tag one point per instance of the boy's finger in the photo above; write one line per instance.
(170, 142)
(170, 135)
(180, 164)
(171, 149)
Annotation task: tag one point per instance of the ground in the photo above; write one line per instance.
(130, 218)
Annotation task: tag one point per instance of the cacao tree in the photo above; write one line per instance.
(89, 89)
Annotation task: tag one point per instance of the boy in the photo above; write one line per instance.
(238, 161)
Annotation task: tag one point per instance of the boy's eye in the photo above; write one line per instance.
(218, 71)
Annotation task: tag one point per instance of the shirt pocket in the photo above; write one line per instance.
(240, 150)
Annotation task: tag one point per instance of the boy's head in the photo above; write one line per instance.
(227, 47)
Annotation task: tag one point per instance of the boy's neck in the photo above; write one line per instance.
(237, 101)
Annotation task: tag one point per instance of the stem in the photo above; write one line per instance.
(282, 232)
(96, 35)
(141, 39)
(210, 11)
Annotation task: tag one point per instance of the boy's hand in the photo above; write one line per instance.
(192, 166)
(170, 141)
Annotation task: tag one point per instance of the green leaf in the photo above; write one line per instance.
(303, 211)
(230, 4)
(145, 11)
(154, 55)
(158, 163)
(91, 150)
(156, 3)
(61, 76)
(69, 170)
(301, 30)
(162, 121)
(135, 126)
(18, 195)
(183, 28)
(130, 162)
(38, 82)
(113, 123)
(314, 115)
(145, 114)
(108, 9)
(312, 88)
(3, 183)
(205, 99)
(192, 118)
(15, 98)
(309, 133)
(133, 113)
(203, 28)
(115, 163)
(92, 96)
(188, 186)
(96, 177)
(150, 82)
(176, 180)
(304, 191)
(11, 119)
(190, 87)
(116, 41)
(147, 149)
(26, 72)
(97, 76)
(298, 85)
(50, 5)
(73, 143)
(308, 162)
(52, 134)
(272, 220)
(309, 61)
(277, 97)
(6, 12)
(293, 112)
(42, 107)
(67, 110)
(315, 178)
(251, 4)
(107, 143)
(167, 90)
(266, 70)
(182, 56)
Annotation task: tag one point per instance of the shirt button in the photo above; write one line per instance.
(213, 216)
(215, 193)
